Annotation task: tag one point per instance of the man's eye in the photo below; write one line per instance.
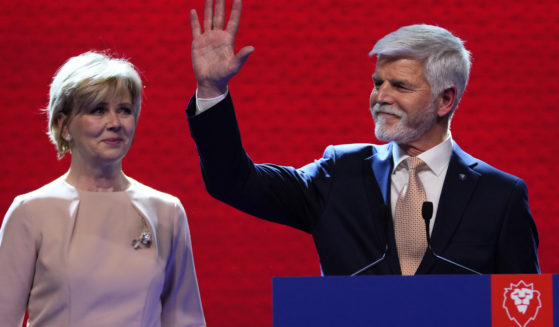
(401, 86)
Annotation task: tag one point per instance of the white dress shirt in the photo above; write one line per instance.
(205, 104)
(432, 177)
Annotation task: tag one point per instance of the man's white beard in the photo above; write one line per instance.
(405, 131)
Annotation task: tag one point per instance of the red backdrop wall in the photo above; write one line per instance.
(305, 87)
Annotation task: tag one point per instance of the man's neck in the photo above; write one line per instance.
(427, 142)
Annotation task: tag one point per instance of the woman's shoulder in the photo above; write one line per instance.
(160, 208)
(142, 192)
(50, 200)
(55, 190)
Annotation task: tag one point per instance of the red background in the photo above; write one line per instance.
(305, 87)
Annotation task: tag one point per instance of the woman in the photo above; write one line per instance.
(95, 247)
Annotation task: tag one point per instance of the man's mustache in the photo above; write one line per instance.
(387, 109)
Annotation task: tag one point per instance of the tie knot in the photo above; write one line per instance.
(414, 163)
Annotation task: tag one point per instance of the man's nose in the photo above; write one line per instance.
(384, 94)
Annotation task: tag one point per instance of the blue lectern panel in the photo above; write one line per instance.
(382, 301)
(555, 299)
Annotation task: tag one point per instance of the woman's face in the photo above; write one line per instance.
(103, 133)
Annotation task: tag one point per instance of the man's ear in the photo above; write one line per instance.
(446, 101)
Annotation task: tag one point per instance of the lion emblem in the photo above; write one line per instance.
(522, 303)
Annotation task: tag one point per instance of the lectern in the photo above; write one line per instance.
(428, 300)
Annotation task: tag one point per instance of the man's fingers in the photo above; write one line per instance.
(235, 18)
(194, 24)
(243, 54)
(208, 15)
(219, 14)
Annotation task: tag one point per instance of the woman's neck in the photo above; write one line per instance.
(108, 178)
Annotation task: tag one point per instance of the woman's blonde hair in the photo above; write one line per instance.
(81, 82)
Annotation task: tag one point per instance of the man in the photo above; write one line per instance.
(365, 204)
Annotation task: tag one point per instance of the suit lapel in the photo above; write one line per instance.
(381, 166)
(459, 184)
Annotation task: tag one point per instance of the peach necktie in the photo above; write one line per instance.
(409, 226)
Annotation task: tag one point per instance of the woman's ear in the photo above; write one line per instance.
(63, 127)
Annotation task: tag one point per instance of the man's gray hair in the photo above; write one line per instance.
(446, 61)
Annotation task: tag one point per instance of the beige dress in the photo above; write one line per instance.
(67, 256)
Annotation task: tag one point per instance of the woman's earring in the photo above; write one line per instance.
(68, 138)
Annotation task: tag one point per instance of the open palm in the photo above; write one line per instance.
(213, 52)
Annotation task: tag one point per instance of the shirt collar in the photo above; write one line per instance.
(436, 158)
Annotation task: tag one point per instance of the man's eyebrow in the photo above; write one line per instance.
(393, 81)
(398, 82)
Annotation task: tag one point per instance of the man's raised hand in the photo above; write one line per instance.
(213, 52)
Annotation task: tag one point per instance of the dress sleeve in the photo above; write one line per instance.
(18, 254)
(181, 301)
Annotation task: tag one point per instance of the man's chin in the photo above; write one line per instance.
(383, 138)
(400, 138)
(385, 135)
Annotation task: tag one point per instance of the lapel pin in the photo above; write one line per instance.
(462, 177)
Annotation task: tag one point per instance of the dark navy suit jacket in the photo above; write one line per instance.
(343, 199)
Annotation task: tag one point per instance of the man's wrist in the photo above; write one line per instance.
(210, 91)
(203, 103)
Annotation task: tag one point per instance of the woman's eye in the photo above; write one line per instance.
(126, 110)
(97, 110)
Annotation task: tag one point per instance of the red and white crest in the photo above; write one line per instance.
(522, 303)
